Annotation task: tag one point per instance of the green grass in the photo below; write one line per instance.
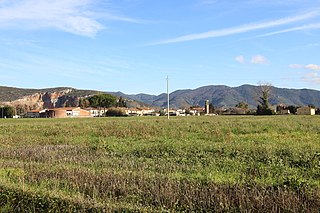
(152, 164)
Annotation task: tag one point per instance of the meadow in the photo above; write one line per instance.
(201, 164)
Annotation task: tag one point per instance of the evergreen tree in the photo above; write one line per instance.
(103, 101)
(211, 108)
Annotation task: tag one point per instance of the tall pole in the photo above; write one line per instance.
(168, 98)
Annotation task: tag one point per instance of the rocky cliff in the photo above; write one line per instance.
(41, 100)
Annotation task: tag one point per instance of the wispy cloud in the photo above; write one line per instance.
(241, 29)
(300, 28)
(73, 16)
(312, 77)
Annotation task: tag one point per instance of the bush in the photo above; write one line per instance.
(115, 112)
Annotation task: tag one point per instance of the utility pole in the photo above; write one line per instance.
(168, 98)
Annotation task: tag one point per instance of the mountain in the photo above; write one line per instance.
(218, 95)
(224, 96)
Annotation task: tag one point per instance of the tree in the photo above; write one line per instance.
(7, 112)
(292, 109)
(263, 106)
(121, 102)
(211, 108)
(242, 105)
(83, 103)
(103, 101)
(107, 100)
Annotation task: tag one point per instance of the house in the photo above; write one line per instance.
(172, 112)
(95, 112)
(141, 111)
(284, 112)
(146, 110)
(181, 112)
(134, 112)
(197, 111)
(67, 112)
(306, 111)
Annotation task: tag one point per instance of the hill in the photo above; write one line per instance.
(28, 99)
(219, 95)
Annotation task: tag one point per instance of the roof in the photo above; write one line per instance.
(197, 108)
(64, 108)
(34, 111)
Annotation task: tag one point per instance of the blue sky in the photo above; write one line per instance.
(132, 45)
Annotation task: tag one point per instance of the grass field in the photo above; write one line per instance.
(222, 163)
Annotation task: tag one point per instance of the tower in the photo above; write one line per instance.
(207, 107)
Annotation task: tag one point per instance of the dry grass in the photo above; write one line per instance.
(219, 164)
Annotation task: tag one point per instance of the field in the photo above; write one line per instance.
(222, 163)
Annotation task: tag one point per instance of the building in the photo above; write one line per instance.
(95, 112)
(36, 114)
(306, 111)
(197, 111)
(33, 114)
(144, 111)
(284, 112)
(67, 112)
(134, 112)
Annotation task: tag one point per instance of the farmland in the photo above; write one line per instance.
(217, 164)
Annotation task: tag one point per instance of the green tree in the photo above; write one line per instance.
(7, 111)
(103, 101)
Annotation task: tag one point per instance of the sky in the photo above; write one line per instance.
(133, 45)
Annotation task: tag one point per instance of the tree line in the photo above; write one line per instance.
(7, 112)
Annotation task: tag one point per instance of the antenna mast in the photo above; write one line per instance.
(168, 99)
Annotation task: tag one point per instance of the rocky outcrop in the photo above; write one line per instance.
(45, 100)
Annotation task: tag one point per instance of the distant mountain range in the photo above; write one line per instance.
(219, 96)
(224, 96)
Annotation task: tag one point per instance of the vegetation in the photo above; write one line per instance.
(102, 101)
(242, 105)
(263, 107)
(7, 112)
(121, 102)
(115, 112)
(199, 164)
